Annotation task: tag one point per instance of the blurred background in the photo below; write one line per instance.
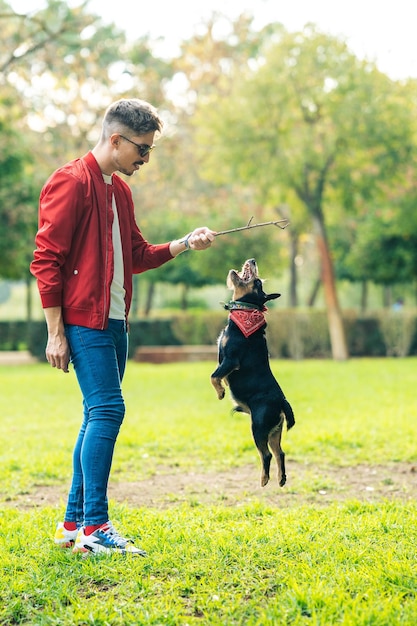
(303, 111)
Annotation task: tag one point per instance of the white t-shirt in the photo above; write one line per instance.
(117, 290)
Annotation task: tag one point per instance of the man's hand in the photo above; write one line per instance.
(57, 352)
(57, 349)
(201, 238)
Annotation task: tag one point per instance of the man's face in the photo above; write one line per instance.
(131, 151)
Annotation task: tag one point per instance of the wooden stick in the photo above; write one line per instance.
(250, 225)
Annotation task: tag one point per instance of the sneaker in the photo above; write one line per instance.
(105, 540)
(65, 538)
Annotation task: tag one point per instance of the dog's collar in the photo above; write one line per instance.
(238, 305)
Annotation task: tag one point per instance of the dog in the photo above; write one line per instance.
(244, 365)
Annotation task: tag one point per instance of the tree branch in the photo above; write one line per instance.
(249, 225)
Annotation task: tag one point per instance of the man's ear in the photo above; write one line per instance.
(272, 296)
(114, 139)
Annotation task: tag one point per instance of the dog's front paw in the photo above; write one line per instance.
(221, 393)
(217, 384)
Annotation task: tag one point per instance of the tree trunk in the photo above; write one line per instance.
(184, 297)
(149, 299)
(29, 302)
(336, 329)
(314, 293)
(293, 271)
(134, 309)
(386, 296)
(283, 212)
(364, 296)
(29, 310)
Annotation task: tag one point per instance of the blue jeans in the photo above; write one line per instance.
(99, 360)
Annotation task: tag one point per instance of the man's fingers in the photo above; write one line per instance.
(201, 241)
(60, 362)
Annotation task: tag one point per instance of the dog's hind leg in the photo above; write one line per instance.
(261, 440)
(274, 441)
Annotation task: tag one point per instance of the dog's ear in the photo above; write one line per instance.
(272, 296)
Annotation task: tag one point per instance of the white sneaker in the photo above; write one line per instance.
(65, 538)
(105, 540)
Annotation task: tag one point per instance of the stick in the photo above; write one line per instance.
(250, 225)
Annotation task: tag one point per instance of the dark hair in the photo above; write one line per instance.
(133, 114)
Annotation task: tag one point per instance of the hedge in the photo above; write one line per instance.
(291, 334)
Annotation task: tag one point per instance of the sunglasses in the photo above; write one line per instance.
(142, 148)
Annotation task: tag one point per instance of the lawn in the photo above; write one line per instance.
(349, 562)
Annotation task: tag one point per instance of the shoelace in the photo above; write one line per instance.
(117, 539)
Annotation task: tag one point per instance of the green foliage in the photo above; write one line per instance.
(303, 119)
(198, 328)
(157, 332)
(60, 68)
(18, 200)
(398, 330)
(364, 334)
(381, 248)
(24, 38)
(291, 333)
(14, 336)
(298, 334)
(185, 270)
(268, 121)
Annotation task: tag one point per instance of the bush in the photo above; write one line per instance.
(37, 337)
(151, 333)
(398, 329)
(202, 328)
(298, 334)
(291, 333)
(363, 335)
(13, 335)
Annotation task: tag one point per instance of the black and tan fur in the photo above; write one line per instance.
(244, 366)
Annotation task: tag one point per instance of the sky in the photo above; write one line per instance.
(383, 31)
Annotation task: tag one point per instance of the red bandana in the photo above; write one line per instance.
(248, 321)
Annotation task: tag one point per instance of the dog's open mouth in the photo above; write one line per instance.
(243, 279)
(249, 271)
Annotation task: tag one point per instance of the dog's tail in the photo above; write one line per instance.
(289, 413)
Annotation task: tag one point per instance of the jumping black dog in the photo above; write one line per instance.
(244, 366)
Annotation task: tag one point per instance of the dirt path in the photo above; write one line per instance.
(306, 484)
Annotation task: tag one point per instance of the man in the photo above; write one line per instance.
(88, 247)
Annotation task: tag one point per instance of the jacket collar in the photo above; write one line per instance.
(91, 161)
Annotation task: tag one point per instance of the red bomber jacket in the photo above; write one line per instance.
(73, 260)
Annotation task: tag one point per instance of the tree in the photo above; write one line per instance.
(59, 69)
(18, 215)
(378, 242)
(385, 244)
(304, 116)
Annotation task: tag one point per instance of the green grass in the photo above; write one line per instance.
(350, 563)
(353, 565)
